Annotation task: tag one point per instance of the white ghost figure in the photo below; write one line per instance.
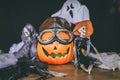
(73, 11)
(27, 47)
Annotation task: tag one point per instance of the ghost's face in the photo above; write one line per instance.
(70, 7)
(73, 11)
(27, 32)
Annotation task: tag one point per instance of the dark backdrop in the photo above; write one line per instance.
(15, 14)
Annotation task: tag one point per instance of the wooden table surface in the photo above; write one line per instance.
(78, 74)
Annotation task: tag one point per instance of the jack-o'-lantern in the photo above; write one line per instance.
(55, 41)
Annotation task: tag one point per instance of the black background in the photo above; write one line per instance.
(15, 14)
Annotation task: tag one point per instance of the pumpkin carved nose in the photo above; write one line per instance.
(55, 48)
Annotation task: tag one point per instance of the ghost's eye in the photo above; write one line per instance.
(67, 8)
(71, 6)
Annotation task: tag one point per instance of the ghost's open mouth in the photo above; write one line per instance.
(71, 13)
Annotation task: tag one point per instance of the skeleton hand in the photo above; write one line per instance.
(82, 31)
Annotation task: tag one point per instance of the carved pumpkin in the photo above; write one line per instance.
(60, 50)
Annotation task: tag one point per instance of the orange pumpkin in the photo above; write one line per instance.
(55, 52)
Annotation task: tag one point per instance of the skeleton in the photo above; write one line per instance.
(80, 59)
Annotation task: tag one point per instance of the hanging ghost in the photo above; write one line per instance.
(73, 11)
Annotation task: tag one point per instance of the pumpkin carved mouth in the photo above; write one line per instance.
(53, 55)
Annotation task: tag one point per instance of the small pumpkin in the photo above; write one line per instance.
(53, 51)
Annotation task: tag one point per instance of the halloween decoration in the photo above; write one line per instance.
(82, 60)
(22, 60)
(25, 48)
(26, 66)
(55, 44)
(55, 40)
(81, 45)
(83, 29)
(109, 61)
(74, 12)
(28, 44)
(23, 67)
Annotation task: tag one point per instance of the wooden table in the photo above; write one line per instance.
(78, 74)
